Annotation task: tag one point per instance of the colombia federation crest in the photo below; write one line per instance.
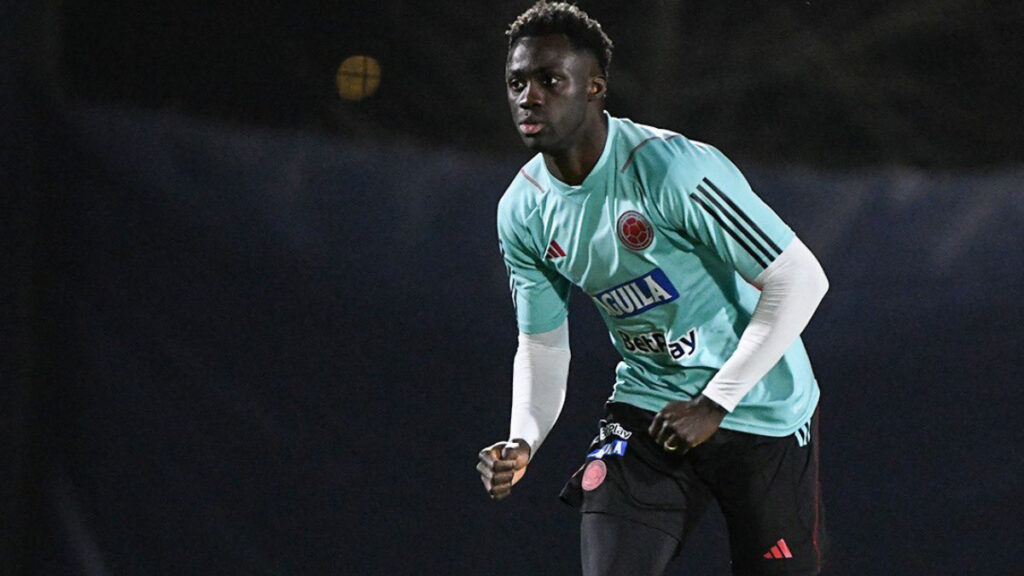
(634, 230)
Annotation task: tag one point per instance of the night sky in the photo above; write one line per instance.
(931, 84)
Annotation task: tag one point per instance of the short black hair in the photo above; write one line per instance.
(563, 18)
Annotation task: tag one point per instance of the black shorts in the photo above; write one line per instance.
(767, 488)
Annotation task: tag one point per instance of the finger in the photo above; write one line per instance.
(502, 478)
(493, 451)
(485, 470)
(676, 448)
(673, 444)
(489, 463)
(497, 484)
(485, 457)
(656, 424)
(491, 456)
(664, 433)
(672, 441)
(499, 492)
(503, 465)
(511, 451)
(492, 485)
(521, 459)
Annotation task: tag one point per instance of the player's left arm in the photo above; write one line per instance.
(724, 213)
(791, 288)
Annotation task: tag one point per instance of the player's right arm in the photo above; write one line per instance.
(541, 366)
(539, 375)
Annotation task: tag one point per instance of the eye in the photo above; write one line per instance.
(515, 84)
(550, 81)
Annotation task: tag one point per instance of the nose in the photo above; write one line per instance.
(530, 96)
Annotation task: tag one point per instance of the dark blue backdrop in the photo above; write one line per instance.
(278, 353)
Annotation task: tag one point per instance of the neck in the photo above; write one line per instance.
(573, 165)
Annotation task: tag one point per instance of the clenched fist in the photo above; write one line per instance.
(501, 465)
(682, 425)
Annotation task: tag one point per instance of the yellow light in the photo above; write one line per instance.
(358, 77)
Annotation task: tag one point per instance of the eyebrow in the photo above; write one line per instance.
(539, 70)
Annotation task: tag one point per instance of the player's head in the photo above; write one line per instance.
(583, 32)
(556, 74)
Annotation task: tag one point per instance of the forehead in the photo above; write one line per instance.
(532, 53)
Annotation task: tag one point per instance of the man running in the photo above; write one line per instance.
(704, 290)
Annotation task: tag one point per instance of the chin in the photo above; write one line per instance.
(539, 145)
(534, 144)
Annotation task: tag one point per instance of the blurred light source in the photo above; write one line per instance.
(358, 77)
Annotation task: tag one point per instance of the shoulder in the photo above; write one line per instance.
(665, 159)
(657, 156)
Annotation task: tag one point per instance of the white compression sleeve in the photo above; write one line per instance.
(791, 288)
(539, 375)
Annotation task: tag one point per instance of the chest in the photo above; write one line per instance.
(599, 241)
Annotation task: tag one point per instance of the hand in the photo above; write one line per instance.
(502, 465)
(682, 425)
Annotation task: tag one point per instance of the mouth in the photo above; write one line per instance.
(530, 127)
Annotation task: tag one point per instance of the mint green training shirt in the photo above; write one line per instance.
(665, 236)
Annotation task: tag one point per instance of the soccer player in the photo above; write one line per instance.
(704, 290)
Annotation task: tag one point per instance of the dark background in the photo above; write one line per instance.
(253, 328)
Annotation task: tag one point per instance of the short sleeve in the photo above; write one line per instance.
(540, 295)
(711, 202)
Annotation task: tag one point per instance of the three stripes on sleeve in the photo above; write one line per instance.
(736, 223)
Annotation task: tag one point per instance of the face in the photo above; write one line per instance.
(553, 91)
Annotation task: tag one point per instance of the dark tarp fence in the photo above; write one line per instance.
(277, 353)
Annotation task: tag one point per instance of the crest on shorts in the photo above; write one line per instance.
(634, 230)
(594, 475)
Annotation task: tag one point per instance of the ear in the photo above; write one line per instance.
(597, 88)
